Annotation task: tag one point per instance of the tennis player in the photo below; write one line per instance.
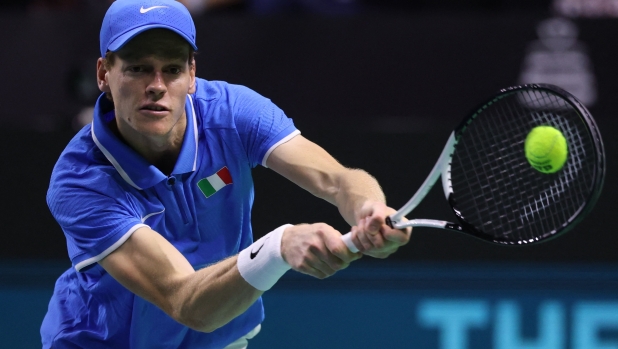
(155, 196)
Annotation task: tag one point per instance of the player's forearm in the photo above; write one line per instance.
(149, 266)
(353, 188)
(213, 296)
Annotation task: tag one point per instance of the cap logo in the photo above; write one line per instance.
(144, 10)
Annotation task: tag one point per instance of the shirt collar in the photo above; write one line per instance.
(131, 166)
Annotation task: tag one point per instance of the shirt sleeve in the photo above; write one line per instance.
(96, 215)
(261, 125)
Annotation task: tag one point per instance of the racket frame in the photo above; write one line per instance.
(443, 165)
(441, 169)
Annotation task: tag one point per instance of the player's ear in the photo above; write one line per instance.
(192, 76)
(102, 76)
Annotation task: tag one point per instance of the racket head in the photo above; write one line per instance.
(493, 190)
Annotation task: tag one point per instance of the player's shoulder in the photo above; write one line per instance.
(81, 163)
(224, 96)
(219, 104)
(222, 91)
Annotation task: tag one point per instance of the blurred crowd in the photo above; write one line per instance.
(198, 7)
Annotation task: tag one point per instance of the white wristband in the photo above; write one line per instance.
(261, 264)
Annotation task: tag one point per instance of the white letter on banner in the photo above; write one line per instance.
(550, 325)
(588, 319)
(453, 319)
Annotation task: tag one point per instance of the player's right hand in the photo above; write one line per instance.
(316, 250)
(372, 236)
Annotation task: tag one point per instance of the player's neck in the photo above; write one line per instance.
(162, 151)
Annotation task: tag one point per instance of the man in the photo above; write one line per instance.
(154, 198)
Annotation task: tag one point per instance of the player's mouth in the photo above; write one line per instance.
(154, 109)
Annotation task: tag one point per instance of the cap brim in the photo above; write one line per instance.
(120, 41)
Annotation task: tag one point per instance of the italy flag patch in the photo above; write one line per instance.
(212, 184)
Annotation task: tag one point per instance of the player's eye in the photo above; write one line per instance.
(175, 70)
(135, 69)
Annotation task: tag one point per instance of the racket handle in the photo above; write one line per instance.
(347, 240)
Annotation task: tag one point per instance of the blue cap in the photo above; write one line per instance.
(127, 18)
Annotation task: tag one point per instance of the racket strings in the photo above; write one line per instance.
(495, 188)
(488, 196)
(487, 203)
(542, 201)
(547, 196)
(577, 151)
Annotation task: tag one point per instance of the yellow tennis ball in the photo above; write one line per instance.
(546, 149)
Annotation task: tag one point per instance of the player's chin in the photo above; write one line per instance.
(149, 132)
(154, 127)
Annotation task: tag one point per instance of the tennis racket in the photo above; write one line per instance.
(493, 191)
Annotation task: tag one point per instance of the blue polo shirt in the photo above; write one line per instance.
(101, 191)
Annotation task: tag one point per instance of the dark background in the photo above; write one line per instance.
(380, 89)
(380, 84)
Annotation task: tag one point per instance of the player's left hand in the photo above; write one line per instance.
(372, 236)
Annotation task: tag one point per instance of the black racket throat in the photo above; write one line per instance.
(389, 222)
(447, 226)
(467, 228)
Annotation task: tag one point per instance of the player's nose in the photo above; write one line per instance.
(156, 86)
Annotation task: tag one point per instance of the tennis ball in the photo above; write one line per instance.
(546, 149)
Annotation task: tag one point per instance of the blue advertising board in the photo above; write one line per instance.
(446, 306)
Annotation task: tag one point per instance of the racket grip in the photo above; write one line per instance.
(347, 240)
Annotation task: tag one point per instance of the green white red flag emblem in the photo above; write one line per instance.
(212, 184)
